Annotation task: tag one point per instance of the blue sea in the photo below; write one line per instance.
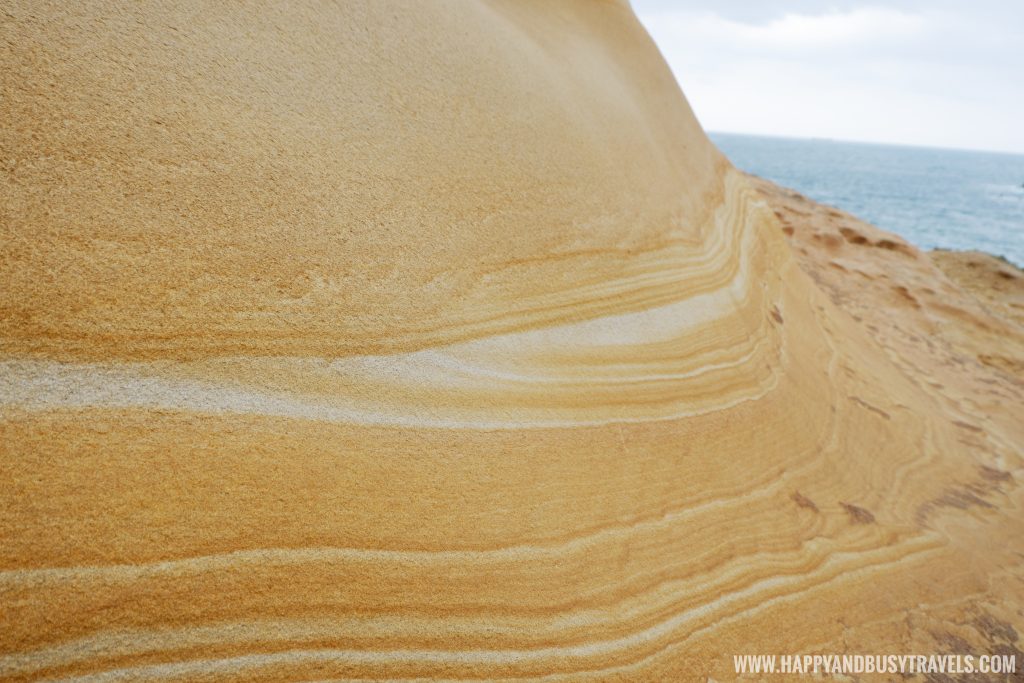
(945, 198)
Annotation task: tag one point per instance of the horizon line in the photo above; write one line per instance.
(821, 138)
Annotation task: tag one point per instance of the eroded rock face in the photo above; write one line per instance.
(436, 340)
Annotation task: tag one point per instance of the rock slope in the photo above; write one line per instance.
(435, 340)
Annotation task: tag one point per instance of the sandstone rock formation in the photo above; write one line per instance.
(435, 340)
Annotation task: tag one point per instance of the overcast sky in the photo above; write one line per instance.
(940, 73)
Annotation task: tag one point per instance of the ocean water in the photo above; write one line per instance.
(951, 199)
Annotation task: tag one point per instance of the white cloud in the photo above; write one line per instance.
(940, 74)
(802, 33)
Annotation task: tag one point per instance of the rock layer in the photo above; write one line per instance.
(436, 340)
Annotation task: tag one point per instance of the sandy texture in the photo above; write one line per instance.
(435, 340)
(998, 283)
(962, 311)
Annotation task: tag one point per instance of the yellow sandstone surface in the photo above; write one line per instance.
(435, 340)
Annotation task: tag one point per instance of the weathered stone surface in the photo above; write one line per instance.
(401, 340)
